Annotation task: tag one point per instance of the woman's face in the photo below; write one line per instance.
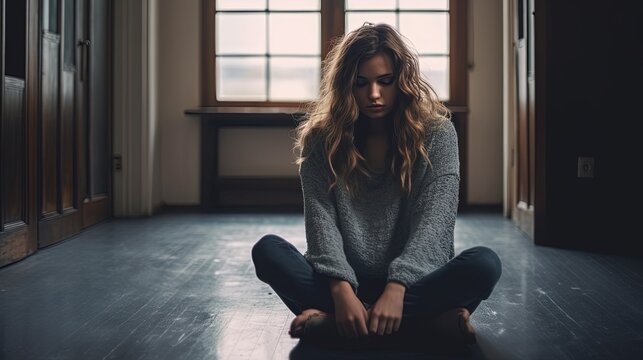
(375, 88)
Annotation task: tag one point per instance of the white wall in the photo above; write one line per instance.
(136, 140)
(251, 152)
(178, 89)
(485, 155)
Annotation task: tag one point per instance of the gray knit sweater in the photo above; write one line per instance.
(384, 234)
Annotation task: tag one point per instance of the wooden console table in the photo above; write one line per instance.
(265, 194)
(239, 194)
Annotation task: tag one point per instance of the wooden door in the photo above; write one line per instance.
(55, 133)
(75, 127)
(96, 124)
(524, 157)
(61, 68)
(18, 106)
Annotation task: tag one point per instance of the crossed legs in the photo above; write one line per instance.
(462, 283)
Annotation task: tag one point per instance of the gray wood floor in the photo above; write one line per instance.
(182, 286)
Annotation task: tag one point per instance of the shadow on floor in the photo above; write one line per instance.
(386, 350)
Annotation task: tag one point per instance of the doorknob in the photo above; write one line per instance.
(83, 57)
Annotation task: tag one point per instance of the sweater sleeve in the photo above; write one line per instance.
(325, 247)
(432, 219)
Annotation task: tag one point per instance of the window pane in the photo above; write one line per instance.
(70, 33)
(427, 31)
(357, 19)
(424, 4)
(370, 4)
(241, 78)
(295, 34)
(294, 78)
(249, 33)
(241, 5)
(294, 5)
(435, 70)
(50, 16)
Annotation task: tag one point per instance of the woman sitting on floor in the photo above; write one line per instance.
(379, 170)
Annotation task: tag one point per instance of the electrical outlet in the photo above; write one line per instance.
(585, 167)
(118, 162)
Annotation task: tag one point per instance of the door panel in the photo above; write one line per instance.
(12, 166)
(15, 242)
(68, 162)
(49, 123)
(60, 215)
(97, 195)
(18, 231)
(67, 142)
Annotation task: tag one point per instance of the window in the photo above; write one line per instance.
(269, 52)
(425, 23)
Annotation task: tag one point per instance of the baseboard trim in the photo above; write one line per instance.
(481, 208)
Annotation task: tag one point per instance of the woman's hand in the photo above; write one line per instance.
(386, 314)
(350, 315)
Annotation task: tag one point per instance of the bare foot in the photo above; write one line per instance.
(466, 328)
(455, 325)
(297, 324)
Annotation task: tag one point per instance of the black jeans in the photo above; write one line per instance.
(464, 281)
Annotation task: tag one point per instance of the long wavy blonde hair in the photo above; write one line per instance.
(335, 115)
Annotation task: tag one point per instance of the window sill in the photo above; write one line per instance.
(206, 110)
(248, 116)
